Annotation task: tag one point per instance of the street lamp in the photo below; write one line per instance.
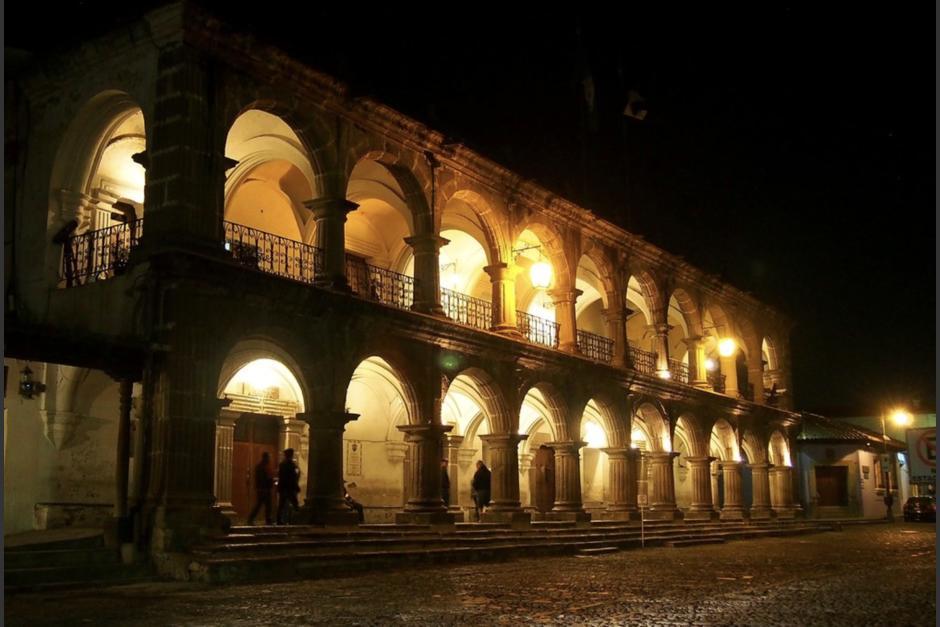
(901, 418)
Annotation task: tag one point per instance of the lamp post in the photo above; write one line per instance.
(899, 417)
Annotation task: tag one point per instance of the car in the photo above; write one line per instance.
(920, 508)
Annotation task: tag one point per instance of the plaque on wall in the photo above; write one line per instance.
(353, 458)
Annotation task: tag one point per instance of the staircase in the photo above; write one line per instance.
(298, 552)
(66, 560)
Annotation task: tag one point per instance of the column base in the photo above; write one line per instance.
(700, 515)
(431, 309)
(514, 519)
(788, 512)
(578, 517)
(426, 518)
(621, 514)
(762, 513)
(663, 514)
(734, 514)
(178, 527)
(325, 516)
(336, 285)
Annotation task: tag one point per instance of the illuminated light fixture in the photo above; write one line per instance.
(664, 374)
(634, 445)
(710, 364)
(901, 417)
(726, 347)
(541, 275)
(28, 386)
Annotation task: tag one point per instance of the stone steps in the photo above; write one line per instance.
(694, 542)
(293, 564)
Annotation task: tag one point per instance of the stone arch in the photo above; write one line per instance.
(486, 393)
(769, 349)
(753, 447)
(611, 415)
(395, 362)
(651, 421)
(689, 429)
(554, 244)
(597, 285)
(256, 347)
(553, 404)
(778, 449)
(723, 443)
(652, 293)
(464, 208)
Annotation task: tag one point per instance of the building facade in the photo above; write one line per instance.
(214, 251)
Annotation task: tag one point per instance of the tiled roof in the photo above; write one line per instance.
(821, 428)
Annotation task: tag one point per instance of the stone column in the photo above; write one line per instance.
(760, 488)
(330, 215)
(716, 494)
(453, 472)
(224, 447)
(662, 489)
(76, 206)
(660, 345)
(698, 375)
(617, 327)
(733, 507)
(564, 301)
(466, 458)
(568, 505)
(427, 272)
(425, 505)
(621, 464)
(525, 480)
(755, 376)
(729, 368)
(122, 464)
(325, 503)
(503, 280)
(504, 466)
(702, 506)
(781, 491)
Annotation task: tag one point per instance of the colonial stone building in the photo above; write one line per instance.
(214, 251)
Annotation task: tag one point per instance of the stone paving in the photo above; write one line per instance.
(864, 575)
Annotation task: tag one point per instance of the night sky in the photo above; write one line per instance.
(788, 149)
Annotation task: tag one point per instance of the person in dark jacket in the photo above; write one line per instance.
(264, 484)
(445, 484)
(288, 485)
(481, 488)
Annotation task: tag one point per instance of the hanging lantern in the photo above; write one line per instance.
(726, 347)
(541, 275)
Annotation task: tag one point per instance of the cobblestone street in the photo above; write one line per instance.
(864, 575)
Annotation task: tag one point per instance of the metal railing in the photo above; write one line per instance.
(537, 330)
(679, 370)
(596, 347)
(98, 255)
(272, 254)
(378, 284)
(468, 310)
(643, 361)
(717, 381)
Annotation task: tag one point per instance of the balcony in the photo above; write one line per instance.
(104, 253)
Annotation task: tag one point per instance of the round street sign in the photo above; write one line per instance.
(927, 448)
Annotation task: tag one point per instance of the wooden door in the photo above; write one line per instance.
(544, 493)
(832, 485)
(255, 434)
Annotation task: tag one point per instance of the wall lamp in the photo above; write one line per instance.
(541, 272)
(29, 387)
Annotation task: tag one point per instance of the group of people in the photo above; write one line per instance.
(287, 483)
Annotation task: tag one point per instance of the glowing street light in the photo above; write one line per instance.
(901, 417)
(726, 347)
(710, 364)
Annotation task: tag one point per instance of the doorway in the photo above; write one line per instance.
(255, 434)
(543, 490)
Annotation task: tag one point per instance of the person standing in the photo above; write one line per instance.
(264, 483)
(480, 487)
(288, 485)
(445, 484)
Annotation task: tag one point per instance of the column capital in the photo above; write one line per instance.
(778, 469)
(692, 341)
(660, 328)
(612, 314)
(501, 271)
(454, 440)
(420, 433)
(570, 446)
(703, 460)
(730, 463)
(327, 419)
(426, 242)
(661, 457)
(330, 207)
(618, 452)
(564, 296)
(759, 466)
(506, 439)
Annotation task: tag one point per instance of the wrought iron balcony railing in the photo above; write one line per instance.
(378, 284)
(98, 255)
(272, 254)
(717, 381)
(643, 361)
(595, 346)
(679, 370)
(537, 330)
(473, 312)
